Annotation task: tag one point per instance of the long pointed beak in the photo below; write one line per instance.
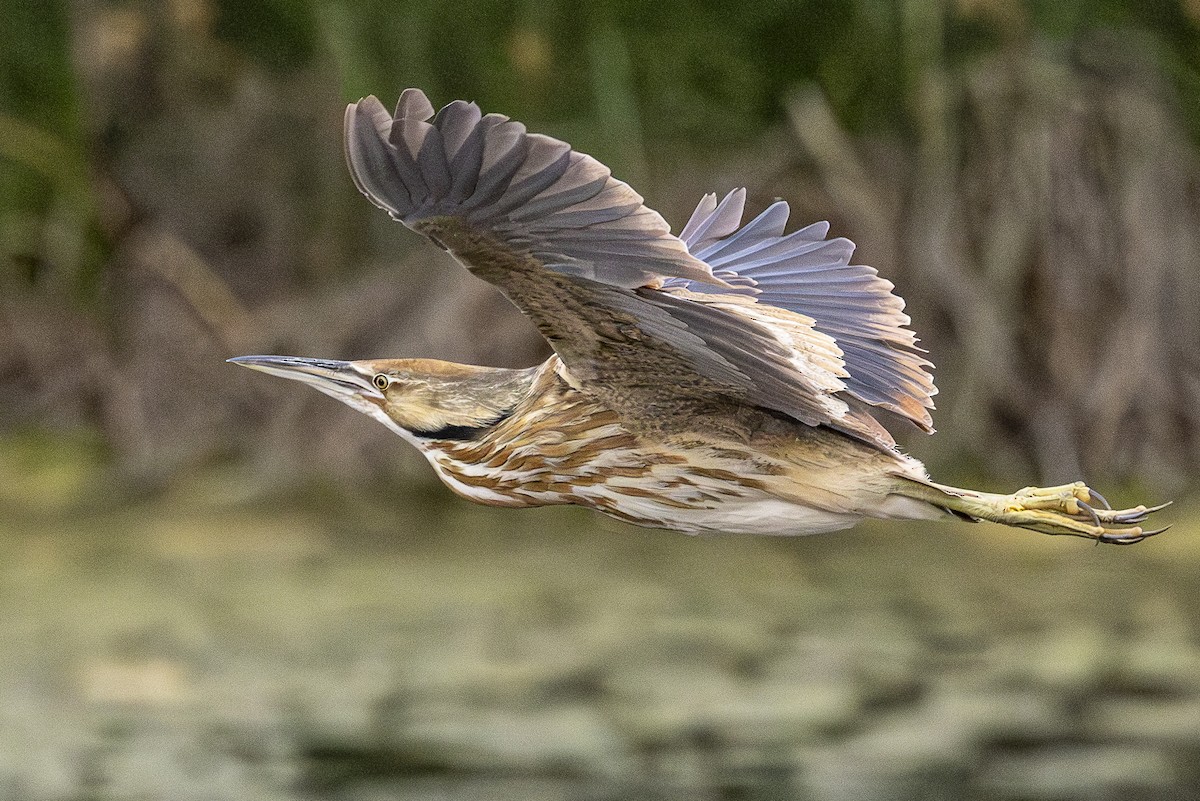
(340, 379)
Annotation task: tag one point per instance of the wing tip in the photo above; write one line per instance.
(413, 105)
(491, 172)
(891, 375)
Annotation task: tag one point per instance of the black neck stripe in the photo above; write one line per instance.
(458, 433)
(462, 433)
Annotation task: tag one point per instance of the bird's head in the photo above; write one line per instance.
(423, 400)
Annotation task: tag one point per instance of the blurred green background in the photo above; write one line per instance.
(215, 585)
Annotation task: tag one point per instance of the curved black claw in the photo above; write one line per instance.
(1117, 538)
(1099, 498)
(1137, 514)
(1134, 515)
(1109, 517)
(1090, 511)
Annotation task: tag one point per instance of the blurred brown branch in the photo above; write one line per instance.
(1049, 245)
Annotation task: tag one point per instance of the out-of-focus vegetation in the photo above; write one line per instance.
(425, 652)
(172, 192)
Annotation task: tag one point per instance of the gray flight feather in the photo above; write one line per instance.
(805, 273)
(530, 192)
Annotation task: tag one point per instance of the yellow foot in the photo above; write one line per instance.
(1076, 510)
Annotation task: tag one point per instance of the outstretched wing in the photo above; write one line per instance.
(580, 255)
(808, 274)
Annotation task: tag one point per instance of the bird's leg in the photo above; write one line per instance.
(1071, 509)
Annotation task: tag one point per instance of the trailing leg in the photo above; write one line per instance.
(1071, 509)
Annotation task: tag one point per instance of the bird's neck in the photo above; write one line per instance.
(464, 407)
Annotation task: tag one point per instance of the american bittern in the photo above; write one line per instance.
(727, 379)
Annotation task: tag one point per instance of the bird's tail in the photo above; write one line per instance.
(1071, 509)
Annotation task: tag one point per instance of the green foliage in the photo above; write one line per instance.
(281, 33)
(37, 83)
(695, 75)
(46, 228)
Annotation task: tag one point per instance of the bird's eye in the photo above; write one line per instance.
(381, 381)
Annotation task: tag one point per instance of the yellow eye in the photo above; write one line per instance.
(381, 381)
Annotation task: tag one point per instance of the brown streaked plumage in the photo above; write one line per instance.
(726, 379)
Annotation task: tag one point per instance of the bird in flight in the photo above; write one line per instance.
(730, 378)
